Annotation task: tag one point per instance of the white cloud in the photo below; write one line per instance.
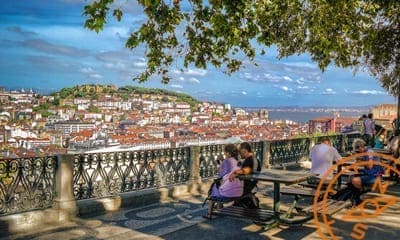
(328, 91)
(87, 70)
(244, 93)
(285, 88)
(250, 77)
(301, 64)
(191, 72)
(140, 64)
(194, 80)
(303, 87)
(91, 73)
(286, 78)
(369, 92)
(117, 66)
(176, 86)
(187, 80)
(196, 72)
(95, 76)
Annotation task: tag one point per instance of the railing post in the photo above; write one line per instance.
(266, 148)
(344, 143)
(195, 179)
(195, 164)
(312, 142)
(64, 201)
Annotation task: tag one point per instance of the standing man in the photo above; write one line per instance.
(369, 128)
(322, 157)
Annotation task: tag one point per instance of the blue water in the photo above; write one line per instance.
(303, 117)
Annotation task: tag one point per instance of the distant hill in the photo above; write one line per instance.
(93, 91)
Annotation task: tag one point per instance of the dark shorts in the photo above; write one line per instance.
(367, 180)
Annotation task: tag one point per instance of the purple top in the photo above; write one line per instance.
(227, 166)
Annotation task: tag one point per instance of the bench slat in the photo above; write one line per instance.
(300, 191)
(331, 206)
(311, 208)
(336, 207)
(254, 214)
(312, 185)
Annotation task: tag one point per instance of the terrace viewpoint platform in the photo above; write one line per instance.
(154, 194)
(181, 219)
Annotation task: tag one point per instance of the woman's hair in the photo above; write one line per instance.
(232, 150)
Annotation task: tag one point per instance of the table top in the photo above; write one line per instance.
(383, 151)
(280, 176)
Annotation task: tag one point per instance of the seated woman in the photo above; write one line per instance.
(380, 139)
(227, 166)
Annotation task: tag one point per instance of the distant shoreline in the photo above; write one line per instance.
(305, 116)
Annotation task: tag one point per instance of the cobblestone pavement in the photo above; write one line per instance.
(181, 219)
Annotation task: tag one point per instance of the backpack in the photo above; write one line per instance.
(249, 201)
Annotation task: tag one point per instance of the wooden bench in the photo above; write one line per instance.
(298, 192)
(258, 215)
(330, 207)
(219, 200)
(314, 185)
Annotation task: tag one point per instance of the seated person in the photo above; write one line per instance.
(370, 173)
(393, 145)
(227, 165)
(322, 157)
(248, 166)
(380, 139)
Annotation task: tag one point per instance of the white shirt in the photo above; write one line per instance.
(322, 156)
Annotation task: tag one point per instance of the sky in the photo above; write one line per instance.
(44, 46)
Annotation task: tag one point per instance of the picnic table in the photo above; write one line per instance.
(382, 151)
(278, 177)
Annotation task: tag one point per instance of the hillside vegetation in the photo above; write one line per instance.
(95, 91)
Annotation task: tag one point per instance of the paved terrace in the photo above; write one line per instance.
(180, 218)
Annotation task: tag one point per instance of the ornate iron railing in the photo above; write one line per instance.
(29, 183)
(211, 153)
(105, 174)
(26, 184)
(348, 146)
(208, 159)
(286, 151)
(257, 148)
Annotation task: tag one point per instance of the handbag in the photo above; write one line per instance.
(231, 189)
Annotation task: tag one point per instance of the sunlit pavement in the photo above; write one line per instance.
(181, 219)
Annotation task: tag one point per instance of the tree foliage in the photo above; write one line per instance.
(224, 33)
(124, 92)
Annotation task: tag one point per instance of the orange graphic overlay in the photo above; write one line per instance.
(376, 206)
